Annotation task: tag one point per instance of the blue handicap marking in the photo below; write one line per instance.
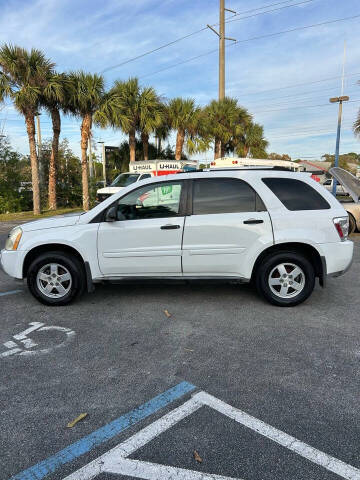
(51, 464)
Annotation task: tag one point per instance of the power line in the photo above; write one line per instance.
(307, 134)
(259, 92)
(303, 106)
(294, 101)
(254, 38)
(268, 11)
(165, 45)
(265, 6)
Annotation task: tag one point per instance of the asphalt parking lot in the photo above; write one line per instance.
(270, 376)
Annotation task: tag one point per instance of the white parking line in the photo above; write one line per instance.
(116, 461)
(297, 446)
(153, 471)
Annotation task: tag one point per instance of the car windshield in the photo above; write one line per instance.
(125, 179)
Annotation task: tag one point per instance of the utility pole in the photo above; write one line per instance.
(39, 147)
(103, 162)
(339, 100)
(222, 38)
(91, 169)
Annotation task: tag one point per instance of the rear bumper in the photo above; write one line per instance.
(338, 257)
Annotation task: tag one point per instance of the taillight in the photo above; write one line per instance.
(342, 227)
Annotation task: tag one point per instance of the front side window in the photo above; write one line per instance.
(224, 195)
(125, 179)
(295, 194)
(152, 201)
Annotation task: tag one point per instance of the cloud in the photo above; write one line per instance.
(86, 34)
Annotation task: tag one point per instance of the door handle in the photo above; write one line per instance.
(253, 221)
(170, 227)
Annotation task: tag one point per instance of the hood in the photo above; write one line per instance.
(348, 181)
(65, 220)
(110, 190)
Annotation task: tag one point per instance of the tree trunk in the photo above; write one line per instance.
(159, 147)
(145, 142)
(217, 150)
(85, 134)
(56, 124)
(180, 139)
(246, 151)
(132, 145)
(222, 150)
(30, 127)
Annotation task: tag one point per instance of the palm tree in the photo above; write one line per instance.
(357, 122)
(86, 95)
(121, 110)
(162, 133)
(182, 116)
(151, 114)
(23, 77)
(225, 119)
(251, 142)
(54, 99)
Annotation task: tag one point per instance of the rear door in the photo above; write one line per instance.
(227, 219)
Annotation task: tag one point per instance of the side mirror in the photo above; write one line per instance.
(111, 214)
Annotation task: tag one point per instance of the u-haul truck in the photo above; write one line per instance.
(141, 170)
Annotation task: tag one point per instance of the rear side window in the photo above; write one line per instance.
(295, 194)
(224, 195)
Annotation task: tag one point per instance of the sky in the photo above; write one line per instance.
(284, 80)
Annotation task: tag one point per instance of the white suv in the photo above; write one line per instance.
(278, 229)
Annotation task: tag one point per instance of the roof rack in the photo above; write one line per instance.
(276, 168)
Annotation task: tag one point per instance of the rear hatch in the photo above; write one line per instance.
(348, 181)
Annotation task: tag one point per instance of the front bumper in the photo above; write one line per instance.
(12, 262)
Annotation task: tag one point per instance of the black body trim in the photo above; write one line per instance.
(89, 281)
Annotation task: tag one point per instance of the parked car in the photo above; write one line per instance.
(279, 229)
(340, 190)
(352, 185)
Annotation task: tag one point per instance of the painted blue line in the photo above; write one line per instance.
(11, 292)
(41, 469)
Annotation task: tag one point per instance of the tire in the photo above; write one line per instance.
(276, 288)
(352, 224)
(55, 278)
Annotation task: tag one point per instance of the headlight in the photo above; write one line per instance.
(13, 239)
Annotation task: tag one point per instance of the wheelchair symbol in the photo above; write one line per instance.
(24, 346)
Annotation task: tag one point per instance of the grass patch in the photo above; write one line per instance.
(27, 216)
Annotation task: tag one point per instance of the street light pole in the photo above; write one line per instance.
(340, 101)
(103, 162)
(39, 146)
(91, 169)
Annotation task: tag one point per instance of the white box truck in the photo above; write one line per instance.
(145, 169)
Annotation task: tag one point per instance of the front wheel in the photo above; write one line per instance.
(285, 279)
(55, 278)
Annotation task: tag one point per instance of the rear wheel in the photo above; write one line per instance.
(55, 278)
(285, 278)
(352, 223)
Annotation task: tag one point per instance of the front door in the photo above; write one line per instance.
(146, 237)
(228, 219)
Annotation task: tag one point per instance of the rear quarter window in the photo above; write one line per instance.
(295, 194)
